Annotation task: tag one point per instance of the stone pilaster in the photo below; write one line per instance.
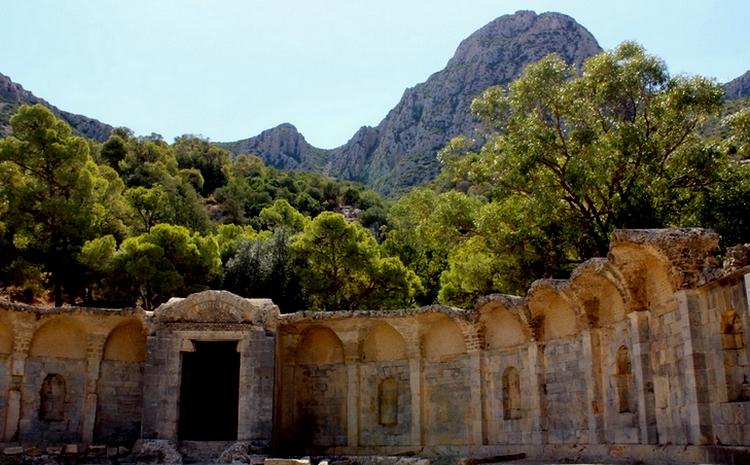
(415, 381)
(640, 322)
(352, 402)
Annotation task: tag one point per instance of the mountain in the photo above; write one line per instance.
(400, 151)
(738, 87)
(13, 95)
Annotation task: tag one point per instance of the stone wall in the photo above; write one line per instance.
(635, 353)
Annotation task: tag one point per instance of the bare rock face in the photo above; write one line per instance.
(12, 95)
(738, 87)
(432, 113)
(282, 147)
(401, 151)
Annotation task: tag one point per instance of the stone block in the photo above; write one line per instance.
(13, 450)
(271, 461)
(71, 448)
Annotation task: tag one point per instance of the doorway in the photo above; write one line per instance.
(209, 392)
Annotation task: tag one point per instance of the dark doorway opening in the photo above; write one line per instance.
(209, 392)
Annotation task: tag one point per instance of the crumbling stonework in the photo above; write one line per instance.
(634, 355)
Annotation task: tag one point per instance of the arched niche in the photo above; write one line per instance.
(503, 329)
(442, 341)
(126, 343)
(320, 346)
(6, 339)
(648, 277)
(61, 337)
(383, 343)
(559, 318)
(601, 299)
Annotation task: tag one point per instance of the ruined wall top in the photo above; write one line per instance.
(690, 252)
(217, 307)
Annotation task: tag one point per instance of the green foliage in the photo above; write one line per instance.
(569, 157)
(282, 215)
(341, 268)
(424, 227)
(168, 260)
(208, 159)
(263, 267)
(55, 196)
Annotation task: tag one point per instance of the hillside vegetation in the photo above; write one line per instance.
(567, 155)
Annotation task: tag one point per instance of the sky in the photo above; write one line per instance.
(229, 69)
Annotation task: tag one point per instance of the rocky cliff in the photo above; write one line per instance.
(400, 151)
(13, 95)
(738, 87)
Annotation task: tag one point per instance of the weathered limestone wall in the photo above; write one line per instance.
(211, 316)
(635, 353)
(642, 347)
(57, 381)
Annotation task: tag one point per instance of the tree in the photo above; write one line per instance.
(282, 215)
(166, 261)
(264, 267)
(341, 267)
(424, 227)
(210, 160)
(56, 197)
(569, 156)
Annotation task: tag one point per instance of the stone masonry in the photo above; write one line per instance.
(640, 355)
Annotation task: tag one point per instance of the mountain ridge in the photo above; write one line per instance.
(738, 87)
(13, 95)
(400, 151)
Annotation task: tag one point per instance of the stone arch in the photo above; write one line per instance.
(126, 343)
(511, 394)
(319, 346)
(735, 355)
(388, 402)
(648, 276)
(62, 337)
(503, 329)
(52, 398)
(554, 311)
(6, 339)
(383, 343)
(624, 375)
(443, 341)
(601, 298)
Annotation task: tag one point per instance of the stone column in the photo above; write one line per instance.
(415, 386)
(640, 323)
(352, 402)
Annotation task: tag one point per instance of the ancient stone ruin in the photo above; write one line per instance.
(641, 355)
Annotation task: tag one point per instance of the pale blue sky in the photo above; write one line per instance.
(230, 69)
